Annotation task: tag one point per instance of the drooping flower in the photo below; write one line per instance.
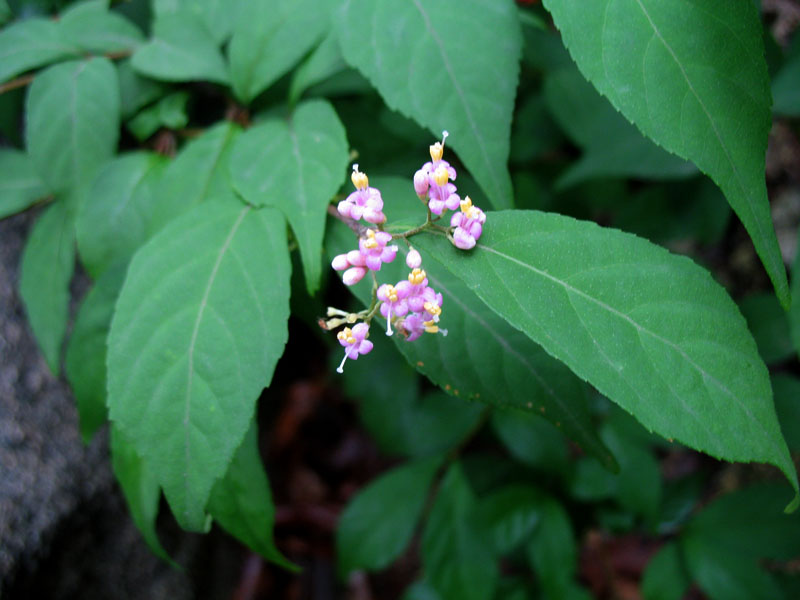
(468, 225)
(354, 342)
(393, 301)
(365, 202)
(374, 249)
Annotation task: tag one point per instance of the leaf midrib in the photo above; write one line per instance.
(640, 329)
(193, 342)
(449, 69)
(737, 176)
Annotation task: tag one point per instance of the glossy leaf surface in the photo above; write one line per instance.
(141, 490)
(73, 121)
(20, 186)
(29, 44)
(650, 330)
(198, 173)
(242, 502)
(181, 49)
(47, 265)
(198, 328)
(378, 522)
(85, 359)
(449, 65)
(692, 77)
(296, 166)
(269, 37)
(457, 562)
(115, 214)
(482, 358)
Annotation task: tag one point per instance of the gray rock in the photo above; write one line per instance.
(64, 527)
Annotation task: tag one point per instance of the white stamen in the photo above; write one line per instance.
(444, 136)
(443, 332)
(355, 167)
(389, 322)
(339, 369)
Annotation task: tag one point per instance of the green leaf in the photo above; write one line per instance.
(182, 49)
(198, 328)
(199, 173)
(650, 330)
(218, 16)
(114, 216)
(508, 516)
(457, 562)
(787, 405)
(326, 60)
(241, 502)
(136, 91)
(519, 375)
(531, 439)
(72, 121)
(20, 186)
(723, 574)
(447, 64)
(140, 488)
(786, 89)
(421, 590)
(90, 26)
(665, 577)
(85, 360)
(47, 265)
(552, 552)
(30, 44)
(612, 146)
(5, 12)
(296, 166)
(749, 523)
(169, 112)
(378, 522)
(692, 77)
(769, 325)
(397, 415)
(269, 37)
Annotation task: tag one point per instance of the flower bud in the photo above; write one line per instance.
(413, 259)
(353, 275)
(421, 183)
(340, 262)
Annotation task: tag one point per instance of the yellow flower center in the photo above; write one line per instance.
(391, 293)
(467, 208)
(417, 276)
(359, 179)
(370, 242)
(440, 175)
(432, 308)
(346, 335)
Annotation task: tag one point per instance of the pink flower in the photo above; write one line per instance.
(353, 264)
(413, 259)
(469, 225)
(365, 202)
(374, 249)
(354, 342)
(415, 325)
(432, 181)
(393, 301)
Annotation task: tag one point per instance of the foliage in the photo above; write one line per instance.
(185, 150)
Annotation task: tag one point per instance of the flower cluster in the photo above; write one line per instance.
(411, 305)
